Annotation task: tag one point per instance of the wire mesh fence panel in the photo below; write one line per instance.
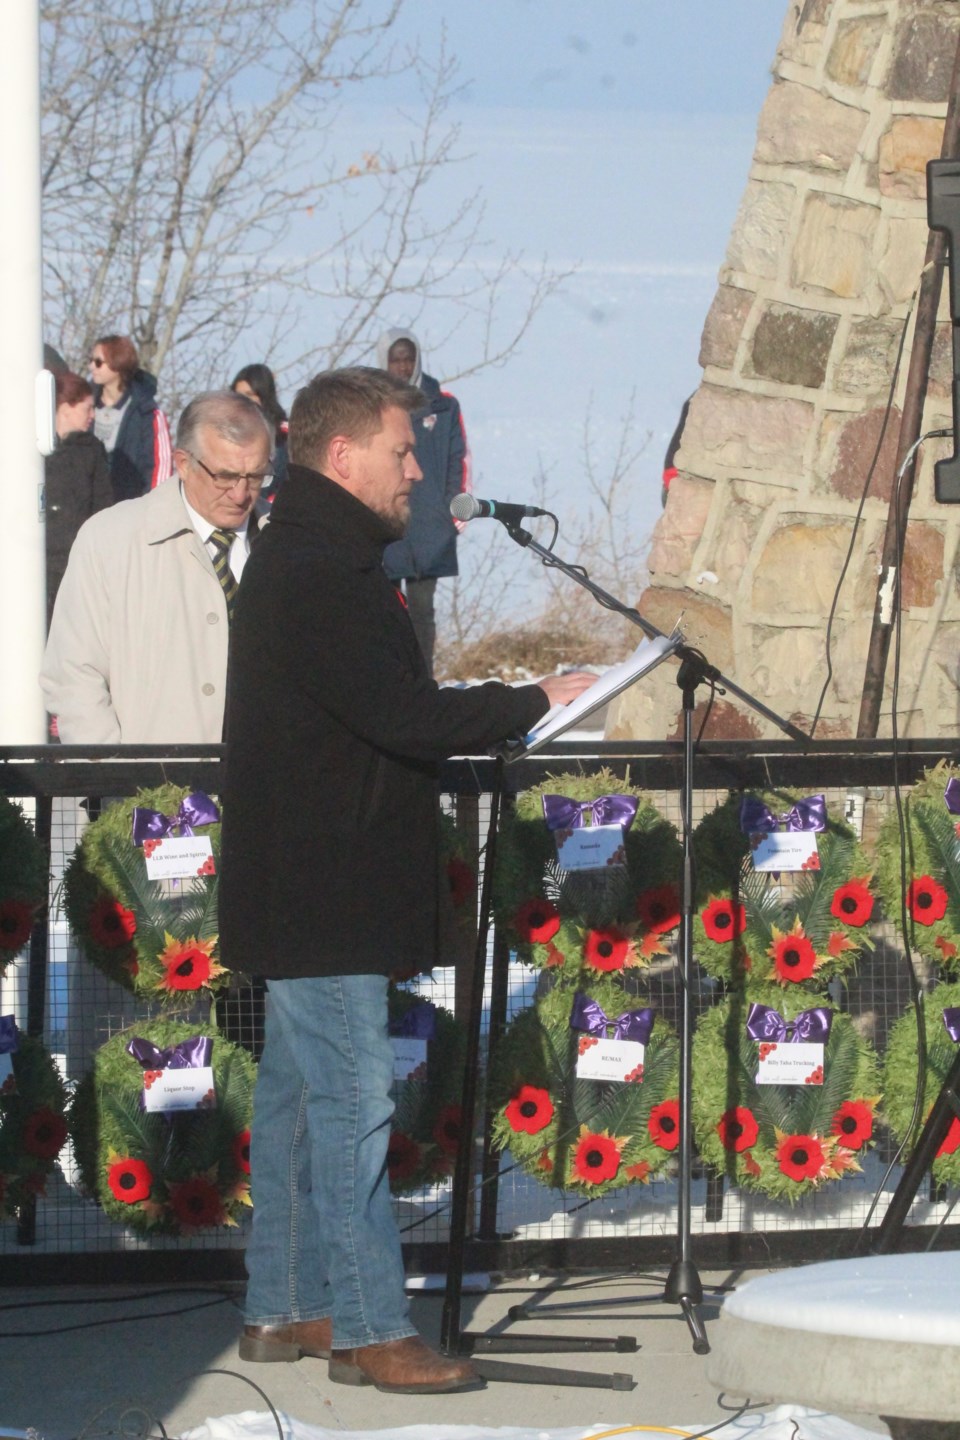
(82, 1009)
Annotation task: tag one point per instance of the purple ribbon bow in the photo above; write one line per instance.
(952, 796)
(196, 809)
(419, 1022)
(808, 814)
(562, 813)
(951, 1018)
(191, 1054)
(589, 1016)
(765, 1023)
(9, 1035)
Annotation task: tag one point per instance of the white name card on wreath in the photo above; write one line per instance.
(176, 857)
(797, 1062)
(609, 1059)
(409, 1057)
(591, 847)
(785, 850)
(169, 1090)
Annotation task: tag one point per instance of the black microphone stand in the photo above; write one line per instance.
(683, 1286)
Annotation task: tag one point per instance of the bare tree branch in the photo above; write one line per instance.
(191, 145)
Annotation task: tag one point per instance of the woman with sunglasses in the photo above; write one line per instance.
(127, 418)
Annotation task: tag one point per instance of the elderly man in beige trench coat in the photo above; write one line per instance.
(137, 651)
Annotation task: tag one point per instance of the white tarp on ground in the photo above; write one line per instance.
(785, 1422)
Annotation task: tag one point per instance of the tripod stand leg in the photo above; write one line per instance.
(683, 1285)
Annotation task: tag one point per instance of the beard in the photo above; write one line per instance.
(396, 520)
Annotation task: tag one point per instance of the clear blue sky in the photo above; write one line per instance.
(615, 140)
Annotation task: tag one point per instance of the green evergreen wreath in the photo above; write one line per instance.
(900, 1077)
(933, 869)
(157, 938)
(33, 1127)
(782, 1140)
(746, 928)
(610, 920)
(23, 880)
(590, 1134)
(165, 1174)
(426, 1123)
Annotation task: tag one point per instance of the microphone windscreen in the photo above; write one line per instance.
(464, 507)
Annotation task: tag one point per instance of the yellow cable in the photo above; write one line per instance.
(652, 1429)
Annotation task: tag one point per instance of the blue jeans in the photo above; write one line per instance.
(325, 1240)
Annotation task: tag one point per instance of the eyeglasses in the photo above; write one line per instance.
(97, 361)
(226, 479)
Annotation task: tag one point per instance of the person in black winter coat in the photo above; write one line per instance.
(428, 550)
(331, 874)
(76, 476)
(128, 420)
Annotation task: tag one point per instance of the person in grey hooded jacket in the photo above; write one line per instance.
(428, 551)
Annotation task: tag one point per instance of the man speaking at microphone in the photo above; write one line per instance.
(331, 876)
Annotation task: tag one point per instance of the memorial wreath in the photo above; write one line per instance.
(567, 1131)
(782, 1139)
(33, 1126)
(789, 929)
(165, 1172)
(157, 937)
(23, 880)
(597, 921)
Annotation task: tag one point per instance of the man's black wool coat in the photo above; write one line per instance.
(330, 862)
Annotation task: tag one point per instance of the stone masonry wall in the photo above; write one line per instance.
(798, 354)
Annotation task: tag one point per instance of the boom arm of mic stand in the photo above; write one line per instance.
(688, 656)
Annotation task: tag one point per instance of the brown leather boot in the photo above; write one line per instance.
(402, 1367)
(287, 1342)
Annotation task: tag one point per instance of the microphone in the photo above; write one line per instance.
(468, 507)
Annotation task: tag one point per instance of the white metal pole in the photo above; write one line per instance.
(22, 560)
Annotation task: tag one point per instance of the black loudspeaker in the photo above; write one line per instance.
(943, 213)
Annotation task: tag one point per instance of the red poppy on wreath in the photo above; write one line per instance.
(951, 1141)
(403, 1156)
(852, 1124)
(664, 1124)
(658, 909)
(640, 1171)
(606, 949)
(530, 1110)
(794, 958)
(926, 900)
(723, 920)
(188, 964)
(110, 924)
(852, 903)
(130, 1181)
(44, 1133)
(16, 923)
(597, 1156)
(446, 1130)
(196, 1202)
(241, 1151)
(537, 920)
(800, 1157)
(738, 1129)
(462, 881)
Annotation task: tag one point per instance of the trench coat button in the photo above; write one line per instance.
(208, 689)
(212, 618)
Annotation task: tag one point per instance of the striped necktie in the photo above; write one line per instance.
(222, 540)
